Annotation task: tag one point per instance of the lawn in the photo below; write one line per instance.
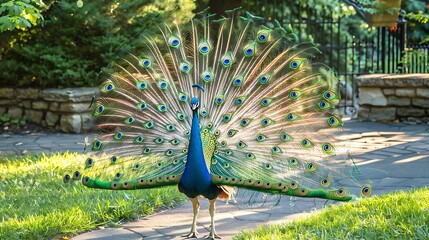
(400, 215)
(36, 204)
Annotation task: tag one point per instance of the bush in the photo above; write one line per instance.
(74, 44)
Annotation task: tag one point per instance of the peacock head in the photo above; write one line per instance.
(194, 103)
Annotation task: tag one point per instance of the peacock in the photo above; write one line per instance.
(220, 104)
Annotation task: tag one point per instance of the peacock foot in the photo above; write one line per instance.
(192, 234)
(213, 236)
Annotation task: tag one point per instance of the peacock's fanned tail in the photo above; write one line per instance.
(267, 115)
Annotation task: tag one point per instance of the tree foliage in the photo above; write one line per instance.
(75, 43)
(20, 14)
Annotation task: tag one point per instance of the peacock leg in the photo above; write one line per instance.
(196, 208)
(212, 209)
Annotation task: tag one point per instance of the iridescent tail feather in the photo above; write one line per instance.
(267, 116)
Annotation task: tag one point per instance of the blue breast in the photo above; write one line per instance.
(196, 179)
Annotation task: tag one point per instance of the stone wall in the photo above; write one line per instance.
(65, 110)
(384, 97)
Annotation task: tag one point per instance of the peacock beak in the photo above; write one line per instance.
(195, 106)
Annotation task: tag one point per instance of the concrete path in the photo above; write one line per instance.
(394, 156)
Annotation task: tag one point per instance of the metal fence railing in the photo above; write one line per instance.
(382, 50)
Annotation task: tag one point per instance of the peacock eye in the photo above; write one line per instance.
(145, 63)
(292, 117)
(276, 150)
(265, 102)
(249, 49)
(295, 94)
(293, 161)
(226, 117)
(207, 76)
(311, 167)
(204, 48)
(241, 144)
(219, 100)
(261, 138)
(297, 63)
(231, 132)
(141, 84)
(263, 35)
(267, 122)
(325, 182)
(163, 85)
(180, 116)
(147, 150)
(286, 137)
(306, 143)
(328, 149)
(245, 122)
(227, 60)
(330, 96)
(238, 81)
(96, 145)
(265, 78)
(107, 87)
(174, 41)
(366, 191)
(162, 108)
(185, 67)
(149, 124)
(341, 192)
(335, 121)
(98, 110)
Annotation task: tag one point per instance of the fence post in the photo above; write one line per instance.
(402, 26)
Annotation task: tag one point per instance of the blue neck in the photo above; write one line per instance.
(196, 171)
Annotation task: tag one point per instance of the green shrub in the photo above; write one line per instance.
(74, 44)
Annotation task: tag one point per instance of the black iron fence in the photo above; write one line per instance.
(379, 50)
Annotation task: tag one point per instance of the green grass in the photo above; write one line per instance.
(36, 204)
(400, 215)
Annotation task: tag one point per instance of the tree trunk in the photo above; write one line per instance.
(219, 7)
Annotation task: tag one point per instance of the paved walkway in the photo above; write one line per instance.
(394, 156)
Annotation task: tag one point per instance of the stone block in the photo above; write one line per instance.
(34, 116)
(421, 102)
(74, 107)
(405, 92)
(15, 112)
(71, 123)
(410, 112)
(51, 119)
(40, 105)
(370, 80)
(396, 101)
(6, 92)
(88, 121)
(68, 94)
(383, 113)
(26, 104)
(27, 93)
(7, 102)
(3, 110)
(389, 91)
(54, 106)
(363, 113)
(372, 96)
(422, 92)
